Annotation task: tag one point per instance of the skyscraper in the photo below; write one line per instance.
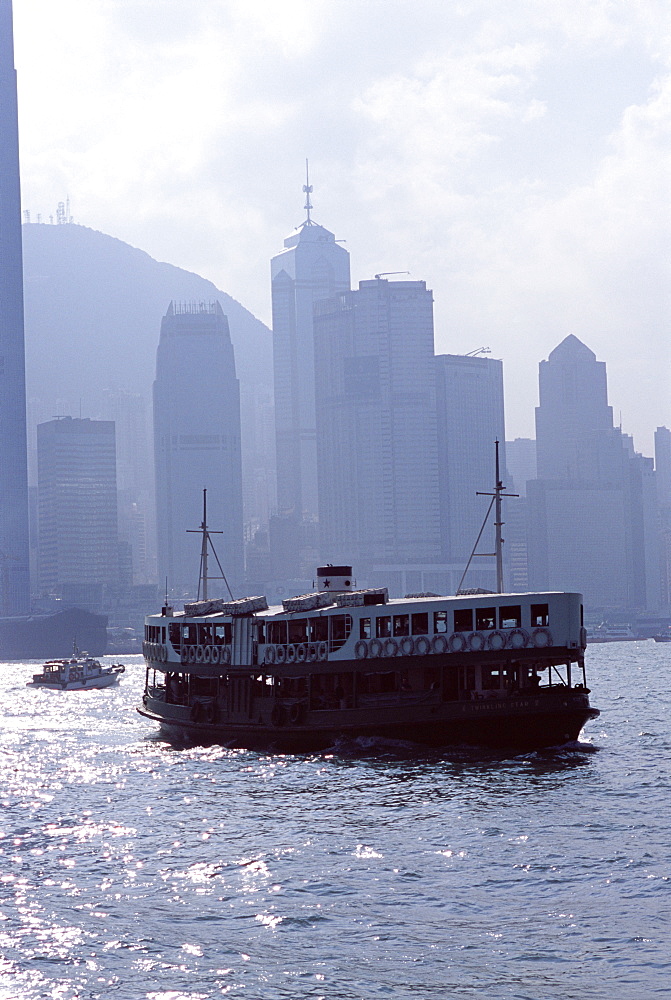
(376, 427)
(77, 501)
(312, 266)
(197, 445)
(14, 552)
(470, 420)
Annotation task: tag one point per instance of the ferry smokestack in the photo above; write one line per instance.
(334, 579)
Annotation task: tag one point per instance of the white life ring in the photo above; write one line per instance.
(389, 647)
(406, 646)
(439, 644)
(184, 655)
(301, 652)
(518, 638)
(164, 653)
(476, 641)
(291, 653)
(280, 654)
(207, 654)
(215, 654)
(375, 648)
(312, 652)
(422, 645)
(200, 654)
(323, 650)
(457, 642)
(361, 649)
(225, 654)
(496, 640)
(192, 654)
(541, 638)
(269, 656)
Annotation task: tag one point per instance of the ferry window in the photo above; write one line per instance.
(277, 632)
(485, 618)
(383, 627)
(205, 635)
(223, 634)
(401, 625)
(364, 628)
(189, 634)
(146, 632)
(463, 620)
(319, 629)
(420, 624)
(173, 630)
(510, 617)
(298, 630)
(260, 632)
(491, 679)
(341, 626)
(539, 615)
(440, 621)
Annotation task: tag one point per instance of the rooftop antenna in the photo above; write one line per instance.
(480, 350)
(384, 274)
(307, 189)
(498, 523)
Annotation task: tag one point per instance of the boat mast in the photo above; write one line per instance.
(203, 547)
(498, 523)
(205, 533)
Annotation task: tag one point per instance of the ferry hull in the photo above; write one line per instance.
(524, 723)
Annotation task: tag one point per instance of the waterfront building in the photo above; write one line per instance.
(377, 444)
(469, 392)
(14, 545)
(197, 446)
(77, 509)
(592, 510)
(312, 266)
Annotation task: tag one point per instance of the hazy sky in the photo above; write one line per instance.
(515, 154)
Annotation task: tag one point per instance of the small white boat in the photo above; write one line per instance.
(79, 673)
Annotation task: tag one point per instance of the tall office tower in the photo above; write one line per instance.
(197, 446)
(376, 428)
(663, 477)
(469, 394)
(312, 266)
(77, 508)
(14, 550)
(591, 510)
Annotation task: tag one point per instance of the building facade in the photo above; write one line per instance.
(197, 446)
(77, 509)
(14, 545)
(376, 427)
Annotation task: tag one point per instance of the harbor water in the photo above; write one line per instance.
(134, 869)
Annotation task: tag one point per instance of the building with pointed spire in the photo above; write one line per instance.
(197, 445)
(312, 266)
(14, 547)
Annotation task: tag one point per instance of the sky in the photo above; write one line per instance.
(513, 154)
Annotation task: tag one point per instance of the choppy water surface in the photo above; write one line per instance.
(132, 869)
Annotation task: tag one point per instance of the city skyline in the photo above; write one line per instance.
(516, 161)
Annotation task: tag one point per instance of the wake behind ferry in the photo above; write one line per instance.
(498, 670)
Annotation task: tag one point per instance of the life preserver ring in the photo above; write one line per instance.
(291, 653)
(375, 648)
(200, 654)
(422, 645)
(439, 644)
(457, 642)
(541, 638)
(476, 641)
(215, 654)
(225, 654)
(184, 655)
(361, 649)
(583, 638)
(164, 653)
(296, 713)
(301, 652)
(195, 711)
(192, 654)
(496, 640)
(280, 654)
(406, 646)
(323, 650)
(269, 655)
(518, 638)
(207, 654)
(389, 647)
(312, 652)
(278, 716)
